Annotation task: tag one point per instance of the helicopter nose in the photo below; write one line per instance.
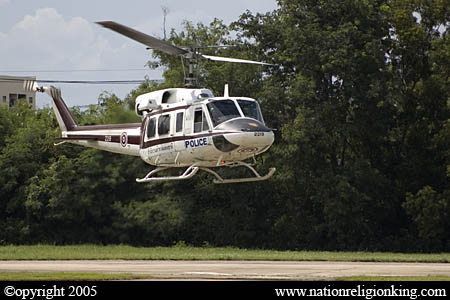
(249, 136)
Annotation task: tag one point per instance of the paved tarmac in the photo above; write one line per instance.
(232, 270)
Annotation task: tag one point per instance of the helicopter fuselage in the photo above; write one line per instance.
(181, 127)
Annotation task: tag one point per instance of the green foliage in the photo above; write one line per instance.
(363, 112)
(360, 103)
(431, 213)
(155, 221)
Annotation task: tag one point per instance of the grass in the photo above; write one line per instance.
(184, 252)
(68, 276)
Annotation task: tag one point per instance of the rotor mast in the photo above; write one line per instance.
(190, 81)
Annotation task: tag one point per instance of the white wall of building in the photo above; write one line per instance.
(12, 91)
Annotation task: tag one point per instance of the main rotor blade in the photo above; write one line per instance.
(143, 38)
(235, 60)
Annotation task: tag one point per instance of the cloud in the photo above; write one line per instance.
(47, 39)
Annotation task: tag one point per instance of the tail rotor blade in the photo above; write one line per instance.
(30, 85)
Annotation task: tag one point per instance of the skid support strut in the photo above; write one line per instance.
(257, 177)
(190, 171)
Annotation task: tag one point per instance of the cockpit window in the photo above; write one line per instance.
(250, 109)
(221, 111)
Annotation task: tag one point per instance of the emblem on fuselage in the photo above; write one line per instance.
(123, 139)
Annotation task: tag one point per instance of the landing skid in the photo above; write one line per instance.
(193, 169)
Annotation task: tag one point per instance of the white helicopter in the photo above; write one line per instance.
(181, 127)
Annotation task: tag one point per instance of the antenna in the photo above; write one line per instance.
(165, 11)
(225, 91)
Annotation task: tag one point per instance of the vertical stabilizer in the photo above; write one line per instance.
(62, 112)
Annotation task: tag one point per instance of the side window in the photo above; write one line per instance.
(205, 125)
(164, 124)
(198, 120)
(179, 123)
(151, 128)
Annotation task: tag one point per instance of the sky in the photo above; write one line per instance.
(59, 40)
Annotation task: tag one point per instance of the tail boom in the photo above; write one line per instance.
(117, 138)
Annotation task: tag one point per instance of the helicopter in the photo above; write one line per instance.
(186, 127)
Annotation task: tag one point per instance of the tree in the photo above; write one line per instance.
(361, 93)
(28, 149)
(430, 213)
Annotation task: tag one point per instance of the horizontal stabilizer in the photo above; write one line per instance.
(80, 138)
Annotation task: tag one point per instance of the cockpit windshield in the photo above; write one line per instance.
(250, 109)
(221, 111)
